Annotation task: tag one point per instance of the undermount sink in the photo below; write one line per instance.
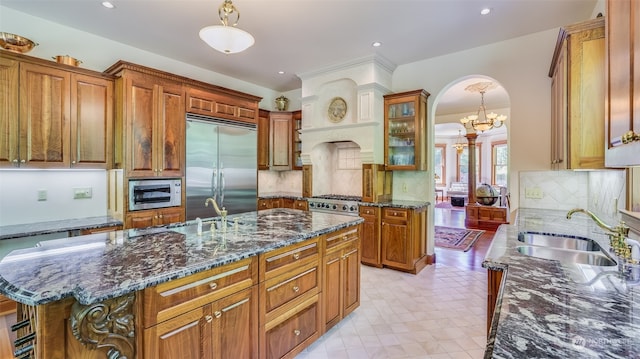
(559, 241)
(568, 256)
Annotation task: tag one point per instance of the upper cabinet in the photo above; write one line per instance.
(220, 105)
(55, 116)
(279, 144)
(263, 140)
(280, 139)
(296, 145)
(623, 79)
(405, 130)
(577, 97)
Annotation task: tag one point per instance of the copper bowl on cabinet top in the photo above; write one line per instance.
(67, 60)
(16, 43)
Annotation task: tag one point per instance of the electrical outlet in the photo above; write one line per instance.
(42, 195)
(404, 188)
(82, 193)
(533, 193)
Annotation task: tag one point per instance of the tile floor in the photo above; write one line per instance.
(438, 313)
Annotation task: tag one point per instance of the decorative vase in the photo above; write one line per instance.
(282, 103)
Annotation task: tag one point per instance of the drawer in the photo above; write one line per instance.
(395, 213)
(175, 297)
(293, 334)
(284, 289)
(342, 236)
(283, 260)
(369, 211)
(301, 205)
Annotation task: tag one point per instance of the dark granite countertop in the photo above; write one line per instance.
(32, 229)
(547, 309)
(399, 204)
(290, 195)
(100, 266)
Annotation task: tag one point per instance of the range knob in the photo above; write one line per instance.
(335, 207)
(312, 205)
(345, 207)
(353, 208)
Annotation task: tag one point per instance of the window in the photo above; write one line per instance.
(499, 168)
(440, 165)
(463, 165)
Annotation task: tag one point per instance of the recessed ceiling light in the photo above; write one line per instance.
(376, 44)
(108, 5)
(281, 72)
(485, 11)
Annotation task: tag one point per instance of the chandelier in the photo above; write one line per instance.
(482, 121)
(227, 38)
(460, 143)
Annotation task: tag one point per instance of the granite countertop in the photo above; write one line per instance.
(100, 266)
(399, 204)
(291, 195)
(32, 229)
(546, 309)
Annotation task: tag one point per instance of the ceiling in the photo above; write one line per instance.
(298, 36)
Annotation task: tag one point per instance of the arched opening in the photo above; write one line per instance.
(451, 150)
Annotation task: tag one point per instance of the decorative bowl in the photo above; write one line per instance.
(16, 43)
(67, 60)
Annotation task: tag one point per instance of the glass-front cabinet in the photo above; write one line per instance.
(405, 130)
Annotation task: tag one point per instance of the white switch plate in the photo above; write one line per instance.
(82, 193)
(533, 193)
(42, 195)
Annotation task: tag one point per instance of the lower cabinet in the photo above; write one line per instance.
(341, 286)
(6, 305)
(403, 239)
(370, 236)
(270, 203)
(494, 280)
(154, 217)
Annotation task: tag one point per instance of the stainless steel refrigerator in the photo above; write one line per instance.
(221, 163)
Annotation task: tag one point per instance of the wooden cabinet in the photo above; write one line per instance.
(301, 204)
(341, 285)
(403, 239)
(622, 106)
(54, 117)
(494, 281)
(280, 140)
(307, 181)
(577, 97)
(370, 236)
(290, 309)
(6, 305)
(211, 314)
(485, 217)
(156, 217)
(296, 144)
(263, 140)
(269, 203)
(221, 105)
(377, 183)
(405, 116)
(153, 125)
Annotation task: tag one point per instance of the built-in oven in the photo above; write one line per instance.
(154, 193)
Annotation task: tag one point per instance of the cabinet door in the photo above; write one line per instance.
(235, 325)
(405, 130)
(140, 127)
(185, 336)
(301, 204)
(170, 131)
(287, 203)
(140, 219)
(169, 215)
(370, 237)
(395, 243)
(296, 144)
(351, 280)
(44, 117)
(263, 140)
(9, 113)
(91, 121)
(280, 140)
(332, 288)
(307, 181)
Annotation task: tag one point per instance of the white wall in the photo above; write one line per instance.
(19, 195)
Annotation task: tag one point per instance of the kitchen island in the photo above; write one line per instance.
(131, 293)
(548, 309)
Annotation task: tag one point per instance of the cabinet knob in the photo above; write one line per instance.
(23, 161)
(296, 256)
(213, 285)
(15, 160)
(160, 216)
(217, 313)
(73, 162)
(296, 288)
(296, 332)
(208, 318)
(395, 213)
(156, 217)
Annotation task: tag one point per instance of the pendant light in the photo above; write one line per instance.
(227, 38)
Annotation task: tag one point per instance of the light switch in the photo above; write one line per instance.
(82, 193)
(42, 195)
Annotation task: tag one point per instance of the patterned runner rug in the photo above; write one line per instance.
(456, 238)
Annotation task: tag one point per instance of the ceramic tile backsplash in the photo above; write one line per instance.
(411, 185)
(279, 181)
(599, 191)
(19, 195)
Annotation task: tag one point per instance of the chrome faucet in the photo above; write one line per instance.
(221, 212)
(617, 234)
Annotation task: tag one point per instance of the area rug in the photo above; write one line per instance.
(447, 205)
(456, 238)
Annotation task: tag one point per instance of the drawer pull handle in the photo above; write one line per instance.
(217, 313)
(296, 332)
(395, 213)
(213, 285)
(344, 238)
(208, 318)
(296, 256)
(296, 288)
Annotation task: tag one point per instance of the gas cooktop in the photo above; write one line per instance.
(340, 197)
(335, 203)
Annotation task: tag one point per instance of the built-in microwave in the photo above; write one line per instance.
(154, 193)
